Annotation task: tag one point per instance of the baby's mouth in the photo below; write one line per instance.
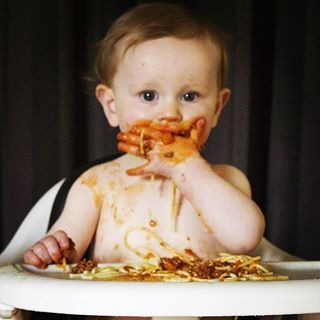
(146, 135)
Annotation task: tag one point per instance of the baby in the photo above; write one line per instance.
(160, 74)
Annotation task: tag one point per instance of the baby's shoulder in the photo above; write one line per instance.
(102, 171)
(101, 176)
(234, 176)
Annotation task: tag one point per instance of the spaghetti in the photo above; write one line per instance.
(174, 207)
(141, 142)
(157, 238)
(226, 267)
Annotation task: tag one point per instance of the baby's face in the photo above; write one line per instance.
(168, 79)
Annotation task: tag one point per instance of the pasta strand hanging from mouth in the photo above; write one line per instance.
(152, 177)
(142, 142)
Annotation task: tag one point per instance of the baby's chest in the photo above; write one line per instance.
(151, 219)
(157, 205)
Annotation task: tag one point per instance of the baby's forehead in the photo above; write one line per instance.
(208, 48)
(180, 62)
(132, 41)
(207, 60)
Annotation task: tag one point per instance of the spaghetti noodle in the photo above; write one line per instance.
(174, 207)
(141, 142)
(157, 238)
(226, 267)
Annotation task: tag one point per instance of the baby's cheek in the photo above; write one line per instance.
(133, 117)
(126, 123)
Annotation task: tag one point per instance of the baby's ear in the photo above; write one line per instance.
(223, 97)
(105, 96)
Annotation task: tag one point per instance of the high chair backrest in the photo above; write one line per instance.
(33, 227)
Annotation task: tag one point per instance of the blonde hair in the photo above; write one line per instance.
(150, 22)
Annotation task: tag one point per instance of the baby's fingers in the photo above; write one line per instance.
(41, 251)
(67, 246)
(30, 257)
(164, 137)
(133, 139)
(63, 239)
(128, 148)
(53, 248)
(138, 171)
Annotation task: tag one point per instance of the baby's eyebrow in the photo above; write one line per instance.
(142, 85)
(193, 86)
(151, 83)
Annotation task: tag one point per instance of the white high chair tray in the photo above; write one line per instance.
(51, 290)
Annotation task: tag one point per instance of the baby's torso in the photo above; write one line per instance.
(145, 217)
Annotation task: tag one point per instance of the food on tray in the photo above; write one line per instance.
(65, 253)
(226, 267)
(84, 265)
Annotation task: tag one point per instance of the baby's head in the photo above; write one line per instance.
(150, 22)
(157, 44)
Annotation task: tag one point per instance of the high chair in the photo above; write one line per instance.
(36, 224)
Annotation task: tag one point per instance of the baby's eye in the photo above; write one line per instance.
(149, 95)
(190, 96)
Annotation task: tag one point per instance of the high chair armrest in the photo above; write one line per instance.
(7, 312)
(33, 227)
(270, 252)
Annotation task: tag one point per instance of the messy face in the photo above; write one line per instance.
(168, 80)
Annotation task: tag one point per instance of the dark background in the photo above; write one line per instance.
(270, 129)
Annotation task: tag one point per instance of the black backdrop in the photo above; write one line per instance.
(270, 129)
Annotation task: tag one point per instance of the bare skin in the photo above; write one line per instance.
(122, 207)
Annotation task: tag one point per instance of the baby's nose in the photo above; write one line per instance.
(170, 112)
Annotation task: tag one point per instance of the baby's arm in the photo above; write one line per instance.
(224, 203)
(77, 221)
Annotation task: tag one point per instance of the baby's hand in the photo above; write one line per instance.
(163, 147)
(52, 248)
